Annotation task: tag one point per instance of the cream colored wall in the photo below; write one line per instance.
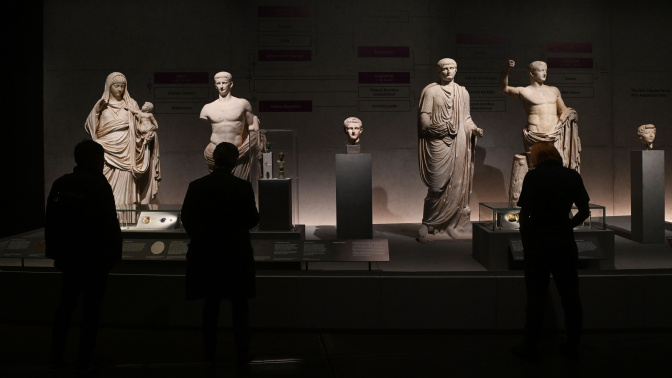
(84, 41)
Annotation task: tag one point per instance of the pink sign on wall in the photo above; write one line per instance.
(285, 55)
(480, 39)
(556, 62)
(283, 12)
(286, 106)
(181, 77)
(570, 47)
(383, 51)
(384, 78)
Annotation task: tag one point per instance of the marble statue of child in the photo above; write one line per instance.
(147, 124)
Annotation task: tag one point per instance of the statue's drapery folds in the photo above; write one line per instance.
(446, 155)
(565, 137)
(131, 164)
(253, 144)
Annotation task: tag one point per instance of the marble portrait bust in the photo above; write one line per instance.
(353, 129)
(647, 133)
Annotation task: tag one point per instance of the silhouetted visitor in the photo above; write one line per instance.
(218, 212)
(546, 229)
(83, 238)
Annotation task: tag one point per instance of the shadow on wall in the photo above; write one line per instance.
(489, 184)
(381, 211)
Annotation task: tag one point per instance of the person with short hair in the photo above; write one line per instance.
(218, 212)
(83, 238)
(546, 229)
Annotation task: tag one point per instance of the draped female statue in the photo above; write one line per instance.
(131, 157)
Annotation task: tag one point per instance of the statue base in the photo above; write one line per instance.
(353, 148)
(519, 169)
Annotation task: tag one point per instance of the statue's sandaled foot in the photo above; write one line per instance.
(422, 234)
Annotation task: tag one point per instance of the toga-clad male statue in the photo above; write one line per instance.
(447, 137)
(232, 121)
(548, 120)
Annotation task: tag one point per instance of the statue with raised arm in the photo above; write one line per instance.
(446, 142)
(131, 155)
(232, 121)
(548, 120)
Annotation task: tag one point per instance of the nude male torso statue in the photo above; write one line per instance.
(542, 103)
(228, 118)
(232, 120)
(548, 119)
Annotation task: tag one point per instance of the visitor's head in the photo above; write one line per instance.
(542, 152)
(226, 156)
(89, 154)
(353, 129)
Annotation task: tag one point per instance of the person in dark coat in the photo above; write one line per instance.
(83, 238)
(218, 212)
(546, 229)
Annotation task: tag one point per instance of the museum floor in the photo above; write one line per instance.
(175, 353)
(633, 339)
(407, 255)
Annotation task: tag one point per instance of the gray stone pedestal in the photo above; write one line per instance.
(354, 209)
(647, 195)
(275, 205)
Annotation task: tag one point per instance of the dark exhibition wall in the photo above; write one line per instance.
(306, 66)
(22, 135)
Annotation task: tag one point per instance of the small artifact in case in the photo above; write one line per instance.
(156, 220)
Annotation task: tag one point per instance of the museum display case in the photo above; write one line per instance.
(275, 167)
(498, 216)
(150, 217)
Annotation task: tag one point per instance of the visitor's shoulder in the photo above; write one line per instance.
(241, 182)
(200, 181)
(62, 181)
(572, 172)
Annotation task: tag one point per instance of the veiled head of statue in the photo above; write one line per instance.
(118, 79)
(115, 85)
